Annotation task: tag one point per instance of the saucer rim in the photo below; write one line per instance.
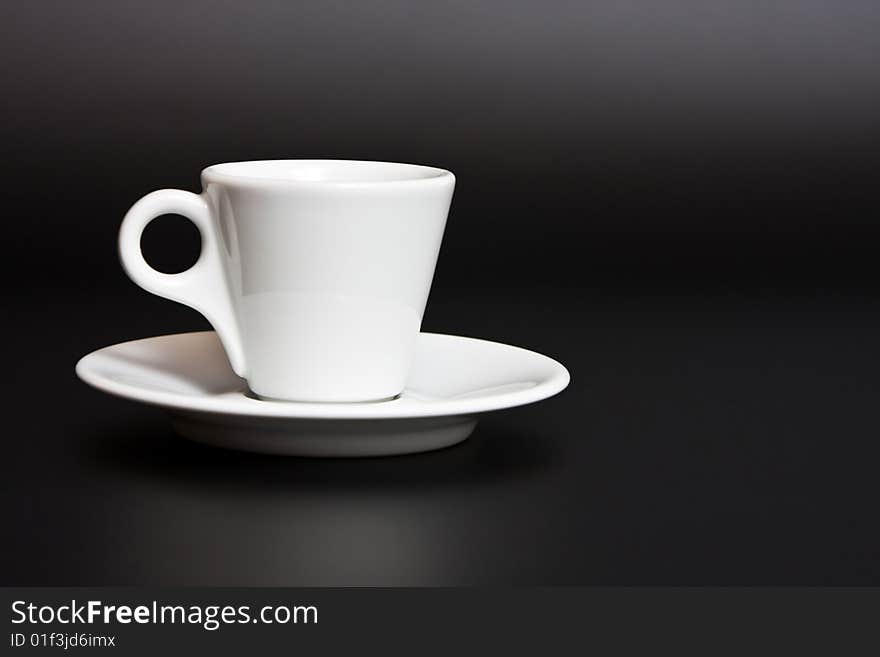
(553, 384)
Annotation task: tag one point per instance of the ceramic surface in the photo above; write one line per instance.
(314, 273)
(452, 380)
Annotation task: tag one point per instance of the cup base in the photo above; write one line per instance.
(266, 398)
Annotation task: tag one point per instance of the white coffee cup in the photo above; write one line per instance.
(314, 273)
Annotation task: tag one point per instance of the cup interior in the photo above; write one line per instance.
(323, 171)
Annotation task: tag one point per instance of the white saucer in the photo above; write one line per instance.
(452, 380)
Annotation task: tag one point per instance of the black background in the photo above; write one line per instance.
(675, 199)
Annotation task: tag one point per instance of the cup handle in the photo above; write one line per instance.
(204, 286)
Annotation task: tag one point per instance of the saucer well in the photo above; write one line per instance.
(453, 379)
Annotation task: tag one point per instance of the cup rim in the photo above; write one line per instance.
(218, 173)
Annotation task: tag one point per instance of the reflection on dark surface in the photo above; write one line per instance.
(492, 454)
(195, 511)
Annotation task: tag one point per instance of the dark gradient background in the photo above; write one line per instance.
(678, 200)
